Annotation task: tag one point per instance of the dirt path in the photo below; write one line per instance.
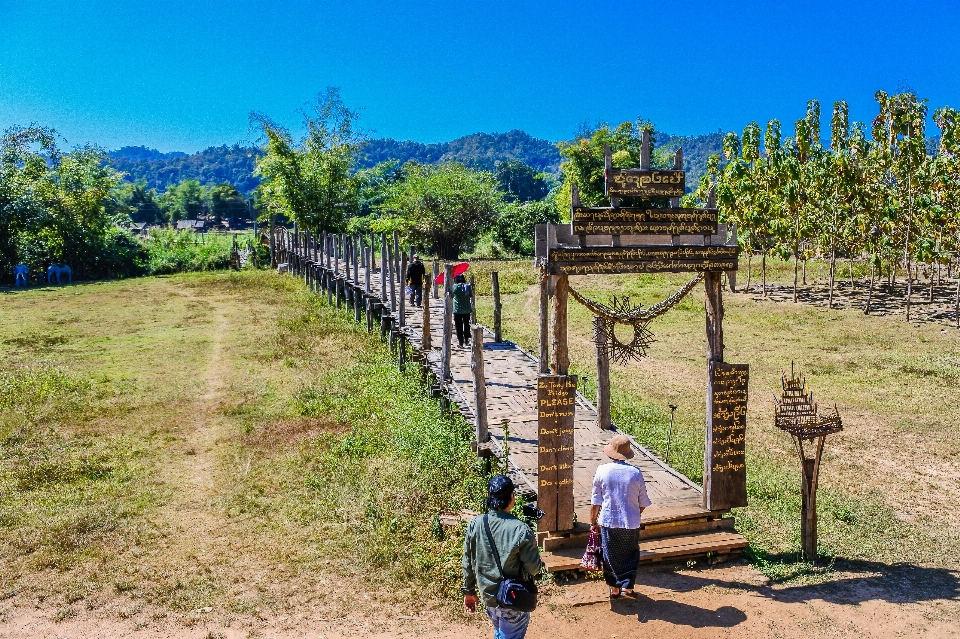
(734, 601)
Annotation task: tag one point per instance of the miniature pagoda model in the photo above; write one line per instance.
(797, 413)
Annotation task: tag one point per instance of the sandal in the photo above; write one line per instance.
(629, 593)
(614, 594)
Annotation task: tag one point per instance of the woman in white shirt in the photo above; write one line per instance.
(619, 496)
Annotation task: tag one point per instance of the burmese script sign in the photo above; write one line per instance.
(725, 467)
(644, 183)
(641, 259)
(638, 221)
(556, 401)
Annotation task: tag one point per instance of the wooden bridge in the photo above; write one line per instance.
(675, 526)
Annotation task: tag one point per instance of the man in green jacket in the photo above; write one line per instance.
(519, 556)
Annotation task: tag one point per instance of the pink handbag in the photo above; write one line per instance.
(591, 561)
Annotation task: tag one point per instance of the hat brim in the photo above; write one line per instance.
(612, 453)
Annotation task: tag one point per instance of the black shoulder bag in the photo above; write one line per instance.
(515, 594)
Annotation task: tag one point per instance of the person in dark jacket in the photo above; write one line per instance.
(462, 305)
(519, 557)
(415, 275)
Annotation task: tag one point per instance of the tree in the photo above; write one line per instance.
(225, 201)
(310, 181)
(139, 202)
(184, 201)
(515, 226)
(57, 207)
(583, 161)
(442, 205)
(519, 182)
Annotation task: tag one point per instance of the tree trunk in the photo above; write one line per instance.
(749, 267)
(763, 270)
(796, 273)
(804, 272)
(833, 270)
(866, 309)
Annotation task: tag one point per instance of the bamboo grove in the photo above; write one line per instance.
(876, 196)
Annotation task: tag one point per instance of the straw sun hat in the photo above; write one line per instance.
(618, 448)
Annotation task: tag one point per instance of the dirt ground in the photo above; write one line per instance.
(735, 600)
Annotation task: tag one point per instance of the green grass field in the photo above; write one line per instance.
(226, 440)
(888, 482)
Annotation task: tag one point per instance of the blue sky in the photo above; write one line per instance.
(184, 76)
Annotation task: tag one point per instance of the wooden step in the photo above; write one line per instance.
(647, 531)
(677, 547)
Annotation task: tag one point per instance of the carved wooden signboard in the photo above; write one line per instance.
(641, 259)
(556, 401)
(725, 469)
(644, 183)
(640, 221)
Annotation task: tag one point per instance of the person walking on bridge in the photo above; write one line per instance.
(415, 274)
(462, 306)
(619, 496)
(498, 546)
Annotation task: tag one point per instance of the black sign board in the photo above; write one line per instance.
(641, 259)
(556, 402)
(644, 183)
(725, 466)
(638, 221)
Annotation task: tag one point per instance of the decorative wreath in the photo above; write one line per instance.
(606, 338)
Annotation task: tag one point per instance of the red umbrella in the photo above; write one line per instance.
(459, 269)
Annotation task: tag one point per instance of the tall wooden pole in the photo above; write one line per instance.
(558, 327)
(497, 307)
(391, 258)
(545, 324)
(479, 386)
(403, 293)
(447, 321)
(383, 268)
(426, 341)
(714, 314)
(604, 419)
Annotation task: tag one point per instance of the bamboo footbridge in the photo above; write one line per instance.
(347, 272)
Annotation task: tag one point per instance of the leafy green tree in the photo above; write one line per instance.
(442, 206)
(225, 201)
(519, 182)
(310, 181)
(57, 207)
(139, 202)
(583, 160)
(184, 201)
(515, 226)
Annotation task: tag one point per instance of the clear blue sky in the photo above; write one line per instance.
(185, 75)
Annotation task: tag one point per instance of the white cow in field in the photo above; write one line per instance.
(58, 271)
(283, 268)
(21, 275)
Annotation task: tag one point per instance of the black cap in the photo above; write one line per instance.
(500, 486)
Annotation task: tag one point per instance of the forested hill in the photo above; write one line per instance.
(235, 164)
(479, 151)
(216, 165)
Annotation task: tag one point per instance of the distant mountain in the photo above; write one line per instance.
(696, 150)
(235, 164)
(218, 164)
(479, 150)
